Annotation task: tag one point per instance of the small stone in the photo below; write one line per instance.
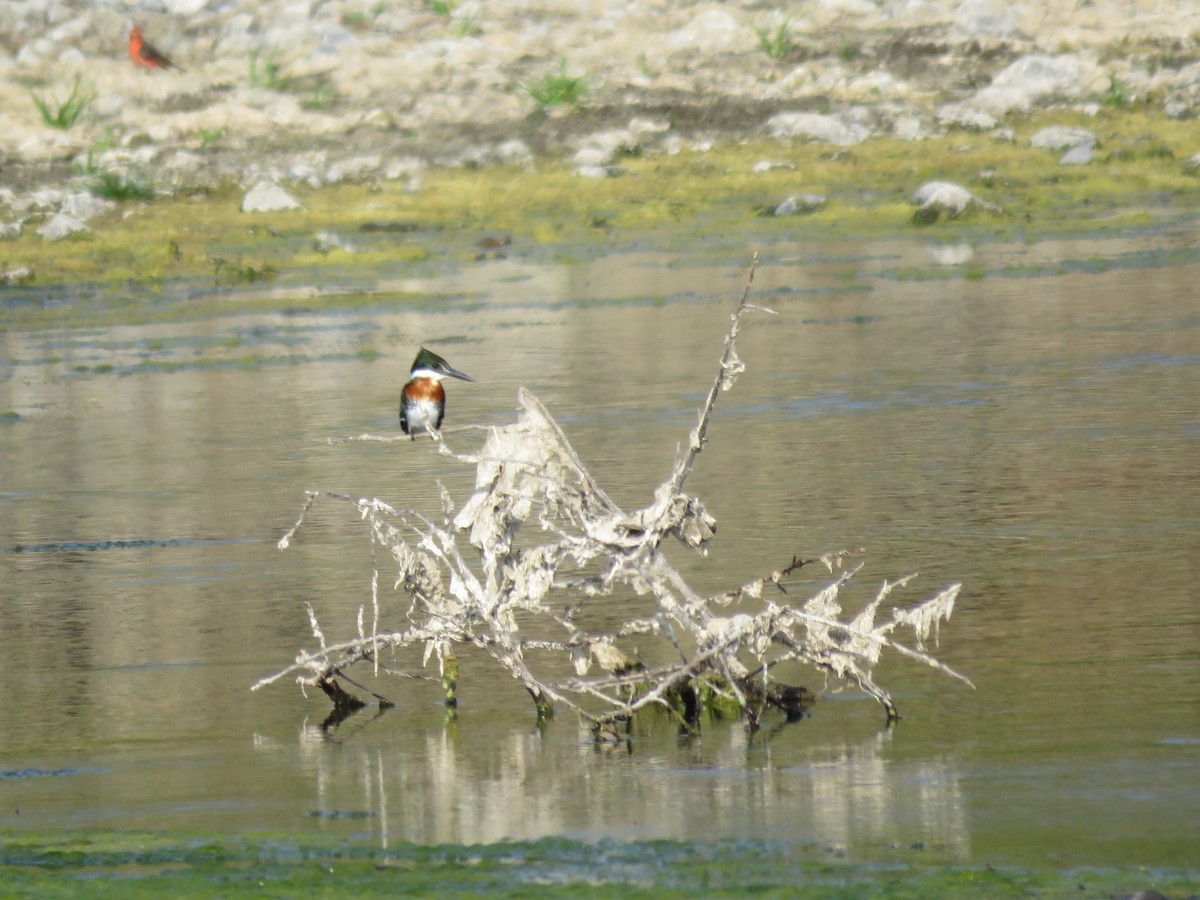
(638, 127)
(84, 206)
(816, 127)
(514, 152)
(357, 168)
(19, 275)
(938, 198)
(45, 198)
(952, 197)
(268, 197)
(1177, 109)
(1059, 137)
(1035, 78)
(711, 31)
(604, 147)
(594, 157)
(966, 118)
(1079, 155)
(799, 204)
(909, 128)
(770, 165)
(326, 242)
(62, 226)
(404, 167)
(985, 19)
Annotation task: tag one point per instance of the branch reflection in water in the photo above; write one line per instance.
(440, 786)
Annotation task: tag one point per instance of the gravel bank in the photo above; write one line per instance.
(315, 92)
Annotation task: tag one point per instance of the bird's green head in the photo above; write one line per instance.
(429, 365)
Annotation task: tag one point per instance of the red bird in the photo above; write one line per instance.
(145, 55)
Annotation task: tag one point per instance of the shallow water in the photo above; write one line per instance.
(1032, 430)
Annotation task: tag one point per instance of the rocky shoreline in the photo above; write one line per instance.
(316, 93)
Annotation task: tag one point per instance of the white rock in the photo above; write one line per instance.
(61, 226)
(800, 204)
(1044, 74)
(191, 7)
(603, 147)
(45, 198)
(19, 275)
(598, 171)
(183, 162)
(817, 127)
(354, 169)
(946, 194)
(1059, 137)
(1037, 77)
(937, 198)
(711, 31)
(405, 167)
(985, 19)
(909, 128)
(966, 117)
(592, 157)
(10, 231)
(513, 153)
(33, 52)
(84, 206)
(853, 7)
(638, 127)
(1079, 155)
(268, 197)
(327, 241)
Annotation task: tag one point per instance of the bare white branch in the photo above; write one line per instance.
(508, 571)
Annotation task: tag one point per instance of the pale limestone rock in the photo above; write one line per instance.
(268, 197)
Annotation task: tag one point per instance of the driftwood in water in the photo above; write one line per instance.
(474, 577)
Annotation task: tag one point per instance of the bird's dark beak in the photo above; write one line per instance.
(450, 370)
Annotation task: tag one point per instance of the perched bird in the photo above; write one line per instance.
(145, 55)
(423, 399)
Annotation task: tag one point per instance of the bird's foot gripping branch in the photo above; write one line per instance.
(469, 581)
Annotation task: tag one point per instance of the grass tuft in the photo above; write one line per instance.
(267, 73)
(110, 186)
(776, 43)
(557, 89)
(62, 114)
(1117, 94)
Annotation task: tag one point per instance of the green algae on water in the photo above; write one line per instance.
(155, 864)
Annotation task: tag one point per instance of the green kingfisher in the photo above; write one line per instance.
(423, 399)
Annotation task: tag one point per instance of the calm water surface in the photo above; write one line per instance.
(1032, 431)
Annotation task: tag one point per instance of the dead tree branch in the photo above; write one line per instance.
(477, 579)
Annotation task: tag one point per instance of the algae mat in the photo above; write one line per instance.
(130, 865)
